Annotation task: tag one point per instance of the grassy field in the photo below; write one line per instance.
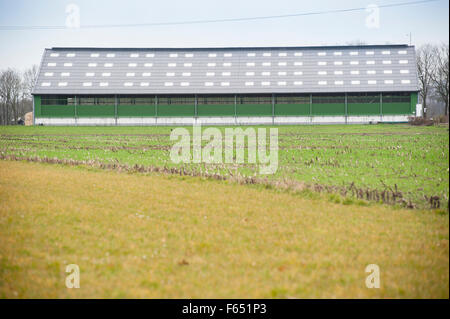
(351, 160)
(164, 236)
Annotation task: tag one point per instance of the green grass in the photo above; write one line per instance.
(166, 236)
(416, 159)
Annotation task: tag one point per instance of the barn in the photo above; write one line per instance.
(228, 86)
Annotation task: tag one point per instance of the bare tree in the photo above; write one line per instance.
(29, 79)
(425, 60)
(440, 77)
(10, 95)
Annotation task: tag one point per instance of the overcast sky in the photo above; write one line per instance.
(428, 22)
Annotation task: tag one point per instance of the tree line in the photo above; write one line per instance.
(433, 73)
(15, 94)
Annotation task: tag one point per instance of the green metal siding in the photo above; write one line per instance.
(57, 111)
(363, 108)
(254, 110)
(136, 110)
(176, 110)
(37, 105)
(215, 110)
(414, 100)
(95, 111)
(292, 109)
(328, 109)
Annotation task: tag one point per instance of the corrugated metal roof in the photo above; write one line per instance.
(227, 70)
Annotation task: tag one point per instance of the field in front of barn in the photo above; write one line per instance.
(110, 200)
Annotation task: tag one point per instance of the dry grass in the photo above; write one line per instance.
(165, 237)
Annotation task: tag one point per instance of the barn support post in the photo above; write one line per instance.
(235, 109)
(381, 106)
(115, 109)
(346, 108)
(156, 109)
(76, 109)
(273, 109)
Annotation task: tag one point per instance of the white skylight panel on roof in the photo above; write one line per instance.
(108, 65)
(45, 84)
(356, 82)
(266, 64)
(406, 81)
(337, 53)
(249, 83)
(146, 74)
(339, 82)
(128, 84)
(227, 64)
(210, 73)
(322, 63)
(371, 72)
(281, 83)
(387, 61)
(267, 54)
(265, 83)
(388, 81)
(170, 74)
(354, 62)
(95, 55)
(282, 73)
(48, 74)
(404, 71)
(322, 73)
(148, 65)
(386, 52)
(322, 82)
(338, 72)
(186, 74)
(298, 63)
(228, 55)
(354, 53)
(184, 83)
(371, 62)
(51, 64)
(249, 73)
(387, 71)
(298, 54)
(134, 55)
(189, 55)
(403, 61)
(209, 83)
(110, 55)
(298, 73)
(103, 84)
(321, 53)
(171, 65)
(226, 73)
(68, 64)
(225, 83)
(90, 74)
(251, 54)
(282, 63)
(265, 73)
(372, 82)
(298, 83)
(54, 55)
(282, 54)
(145, 84)
(130, 74)
(132, 65)
(250, 64)
(370, 53)
(402, 52)
(173, 55)
(211, 64)
(338, 62)
(62, 84)
(70, 55)
(212, 55)
(354, 72)
(150, 55)
(87, 83)
(106, 74)
(92, 65)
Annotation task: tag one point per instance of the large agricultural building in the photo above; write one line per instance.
(254, 85)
